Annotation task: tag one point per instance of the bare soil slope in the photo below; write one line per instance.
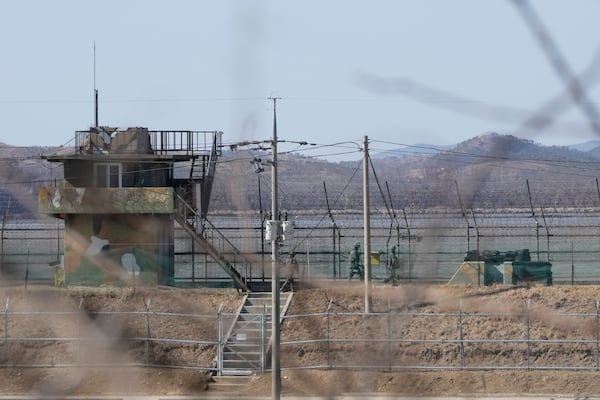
(546, 304)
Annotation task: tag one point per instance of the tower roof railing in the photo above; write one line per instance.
(102, 140)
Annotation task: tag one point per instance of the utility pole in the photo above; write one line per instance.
(367, 226)
(275, 232)
(262, 232)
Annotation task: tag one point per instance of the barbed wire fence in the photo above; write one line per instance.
(523, 339)
(432, 242)
(100, 338)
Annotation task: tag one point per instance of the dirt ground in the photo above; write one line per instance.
(545, 305)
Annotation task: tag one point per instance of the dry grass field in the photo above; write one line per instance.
(547, 307)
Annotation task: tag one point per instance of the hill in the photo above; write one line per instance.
(491, 170)
(22, 172)
(487, 171)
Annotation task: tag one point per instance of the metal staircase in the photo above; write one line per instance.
(247, 344)
(217, 246)
(195, 186)
(192, 196)
(202, 174)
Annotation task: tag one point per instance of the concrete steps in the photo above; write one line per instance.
(229, 384)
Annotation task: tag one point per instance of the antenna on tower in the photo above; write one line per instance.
(95, 91)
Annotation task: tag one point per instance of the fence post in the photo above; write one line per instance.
(79, 317)
(597, 335)
(6, 332)
(389, 328)
(528, 330)
(460, 336)
(27, 270)
(4, 215)
(220, 340)
(328, 335)
(572, 266)
(262, 339)
(147, 304)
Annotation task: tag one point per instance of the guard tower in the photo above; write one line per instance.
(122, 192)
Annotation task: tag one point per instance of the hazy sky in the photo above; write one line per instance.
(399, 71)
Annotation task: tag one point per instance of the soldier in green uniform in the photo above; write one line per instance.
(394, 267)
(355, 265)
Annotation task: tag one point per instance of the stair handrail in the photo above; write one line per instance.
(210, 173)
(188, 213)
(225, 338)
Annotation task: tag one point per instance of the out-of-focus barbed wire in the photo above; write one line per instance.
(545, 118)
(560, 64)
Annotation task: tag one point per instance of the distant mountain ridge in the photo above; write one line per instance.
(22, 172)
(490, 170)
(585, 146)
(525, 145)
(414, 149)
(494, 144)
(500, 142)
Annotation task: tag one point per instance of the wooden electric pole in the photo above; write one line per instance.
(275, 231)
(367, 226)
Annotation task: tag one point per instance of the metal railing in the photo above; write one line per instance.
(85, 338)
(574, 249)
(215, 238)
(191, 142)
(176, 141)
(386, 341)
(447, 341)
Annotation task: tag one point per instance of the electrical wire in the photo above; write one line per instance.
(326, 214)
(588, 167)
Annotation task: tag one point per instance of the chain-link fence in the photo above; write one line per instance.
(97, 338)
(460, 340)
(527, 339)
(431, 244)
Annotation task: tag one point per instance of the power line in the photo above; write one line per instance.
(451, 156)
(124, 101)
